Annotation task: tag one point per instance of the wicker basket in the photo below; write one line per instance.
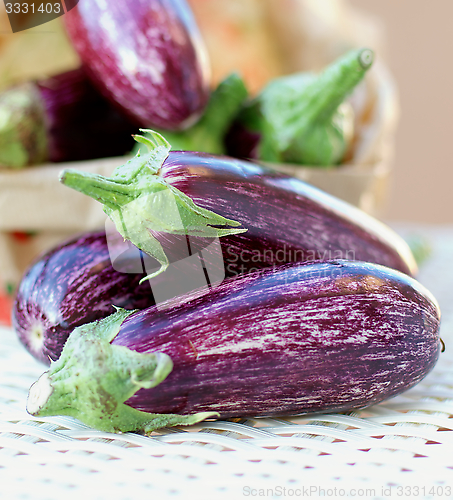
(400, 448)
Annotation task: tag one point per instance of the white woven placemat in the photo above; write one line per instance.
(400, 448)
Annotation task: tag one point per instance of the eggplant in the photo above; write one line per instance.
(208, 134)
(59, 119)
(302, 118)
(287, 221)
(73, 284)
(146, 56)
(163, 200)
(314, 337)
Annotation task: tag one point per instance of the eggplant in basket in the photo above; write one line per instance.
(60, 118)
(314, 337)
(146, 56)
(302, 118)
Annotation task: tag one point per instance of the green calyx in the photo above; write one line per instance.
(303, 118)
(92, 379)
(208, 133)
(139, 201)
(23, 139)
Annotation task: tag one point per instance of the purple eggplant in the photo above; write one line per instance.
(286, 220)
(314, 337)
(146, 56)
(159, 199)
(301, 118)
(61, 118)
(208, 134)
(73, 284)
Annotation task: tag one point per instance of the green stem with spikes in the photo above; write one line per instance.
(92, 379)
(139, 201)
(303, 118)
(23, 138)
(208, 133)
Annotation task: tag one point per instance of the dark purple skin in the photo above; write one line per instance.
(287, 220)
(73, 284)
(314, 337)
(146, 56)
(242, 143)
(81, 124)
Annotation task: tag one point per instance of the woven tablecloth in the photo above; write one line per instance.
(396, 449)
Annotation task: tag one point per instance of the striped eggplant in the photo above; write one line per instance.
(146, 56)
(57, 119)
(163, 200)
(313, 337)
(73, 284)
(286, 219)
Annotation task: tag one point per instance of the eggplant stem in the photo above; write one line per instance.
(96, 186)
(140, 202)
(93, 379)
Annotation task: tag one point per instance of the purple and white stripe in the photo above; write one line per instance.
(316, 337)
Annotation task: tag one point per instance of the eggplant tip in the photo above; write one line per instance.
(366, 58)
(62, 176)
(39, 394)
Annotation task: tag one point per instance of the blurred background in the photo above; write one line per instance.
(418, 38)
(411, 36)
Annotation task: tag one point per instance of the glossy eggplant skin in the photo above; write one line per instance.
(314, 337)
(287, 220)
(81, 124)
(146, 56)
(73, 284)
